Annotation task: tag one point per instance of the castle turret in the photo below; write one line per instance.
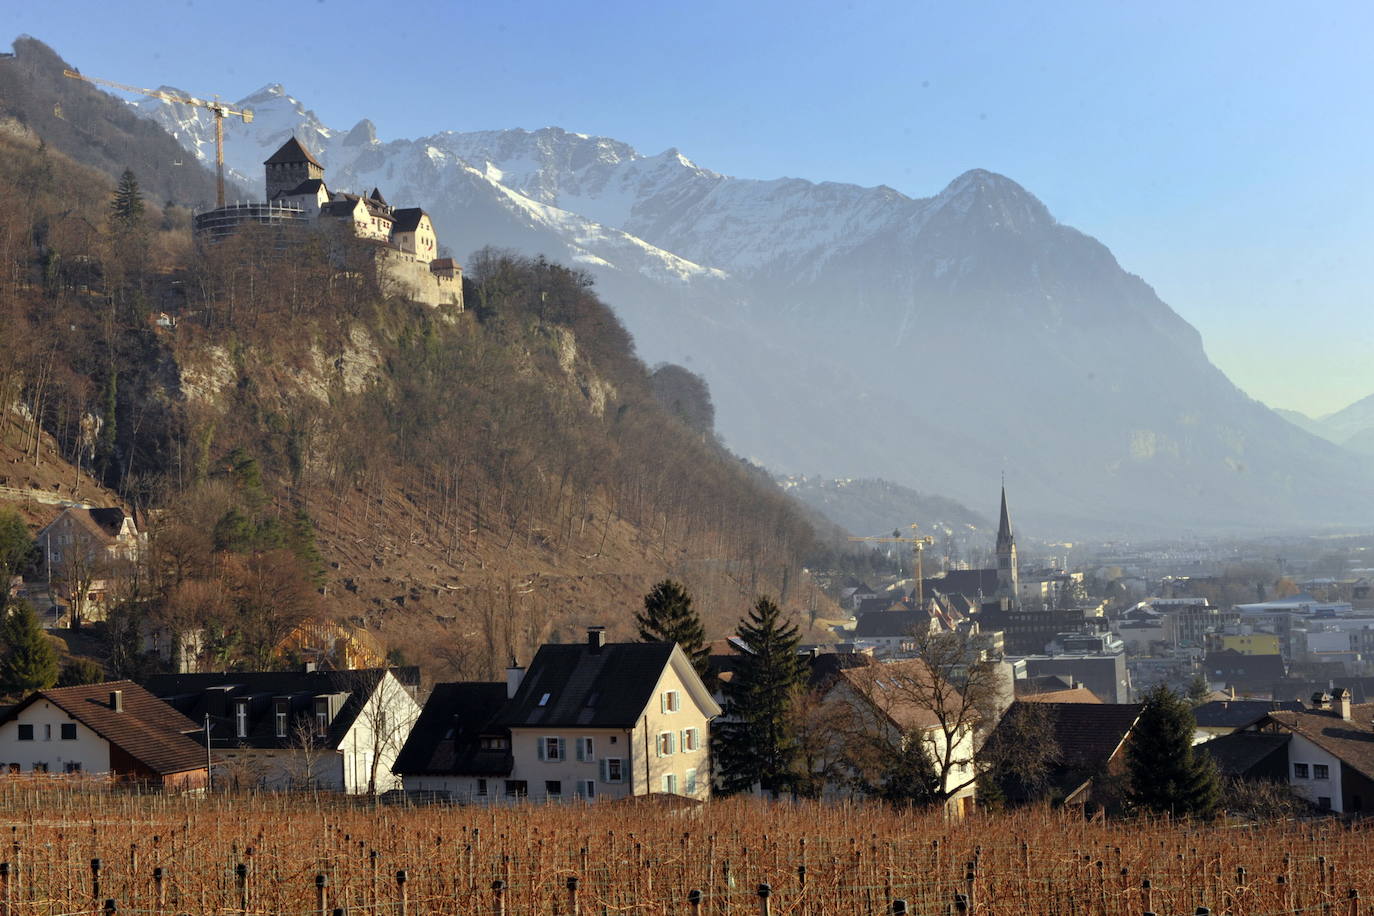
(1008, 578)
(289, 167)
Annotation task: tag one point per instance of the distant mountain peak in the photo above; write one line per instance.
(978, 191)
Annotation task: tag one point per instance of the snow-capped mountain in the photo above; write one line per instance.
(852, 331)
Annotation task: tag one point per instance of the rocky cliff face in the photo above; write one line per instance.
(854, 331)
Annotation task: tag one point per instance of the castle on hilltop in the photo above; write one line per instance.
(405, 243)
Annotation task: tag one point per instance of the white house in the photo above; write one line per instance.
(113, 730)
(334, 730)
(1331, 752)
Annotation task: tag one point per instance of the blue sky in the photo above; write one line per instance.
(1221, 150)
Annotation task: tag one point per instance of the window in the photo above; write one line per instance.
(585, 749)
(553, 788)
(1320, 771)
(1324, 802)
(586, 788)
(689, 783)
(321, 718)
(493, 743)
(689, 739)
(551, 749)
(517, 788)
(612, 769)
(25, 732)
(1299, 771)
(47, 731)
(68, 731)
(281, 716)
(544, 700)
(667, 743)
(481, 787)
(670, 783)
(73, 766)
(670, 701)
(240, 720)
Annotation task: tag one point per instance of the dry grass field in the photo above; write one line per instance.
(239, 854)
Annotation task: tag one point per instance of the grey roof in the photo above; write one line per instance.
(407, 218)
(290, 153)
(887, 624)
(1249, 753)
(446, 739)
(339, 207)
(1253, 672)
(309, 186)
(971, 582)
(606, 688)
(1237, 713)
(189, 694)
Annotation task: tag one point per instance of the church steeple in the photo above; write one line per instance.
(1008, 576)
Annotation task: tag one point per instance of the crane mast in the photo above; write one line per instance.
(220, 110)
(918, 543)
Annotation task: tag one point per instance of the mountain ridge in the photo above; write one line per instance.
(965, 333)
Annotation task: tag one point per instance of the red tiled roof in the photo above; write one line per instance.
(147, 729)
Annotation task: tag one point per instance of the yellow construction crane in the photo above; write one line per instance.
(219, 108)
(918, 543)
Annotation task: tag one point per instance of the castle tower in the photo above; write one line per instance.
(1008, 578)
(289, 166)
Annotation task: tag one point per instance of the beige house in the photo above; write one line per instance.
(84, 551)
(872, 708)
(413, 233)
(588, 721)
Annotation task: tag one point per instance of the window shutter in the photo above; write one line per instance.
(672, 743)
(541, 749)
(686, 744)
(605, 770)
(562, 748)
(663, 702)
(581, 753)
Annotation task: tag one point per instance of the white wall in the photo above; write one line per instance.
(47, 746)
(1301, 751)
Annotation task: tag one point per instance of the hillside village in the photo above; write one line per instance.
(982, 661)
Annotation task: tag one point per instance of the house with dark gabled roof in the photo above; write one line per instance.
(1088, 743)
(116, 730)
(602, 720)
(1330, 751)
(83, 549)
(335, 730)
(456, 750)
(1218, 718)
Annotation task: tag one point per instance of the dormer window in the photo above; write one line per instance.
(280, 714)
(321, 717)
(241, 719)
(544, 700)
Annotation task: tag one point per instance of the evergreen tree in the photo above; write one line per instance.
(300, 540)
(757, 742)
(1166, 776)
(29, 661)
(16, 550)
(909, 780)
(668, 616)
(127, 206)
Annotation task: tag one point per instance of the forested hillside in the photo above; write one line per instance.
(303, 446)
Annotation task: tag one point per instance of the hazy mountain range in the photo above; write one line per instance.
(1351, 426)
(858, 332)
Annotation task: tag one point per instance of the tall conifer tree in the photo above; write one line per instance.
(668, 616)
(756, 743)
(1166, 775)
(127, 206)
(29, 661)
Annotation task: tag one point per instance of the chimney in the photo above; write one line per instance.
(514, 675)
(1340, 697)
(117, 700)
(596, 639)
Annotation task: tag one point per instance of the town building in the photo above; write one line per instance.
(277, 730)
(116, 730)
(1090, 741)
(1330, 751)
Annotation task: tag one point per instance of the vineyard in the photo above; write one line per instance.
(77, 848)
